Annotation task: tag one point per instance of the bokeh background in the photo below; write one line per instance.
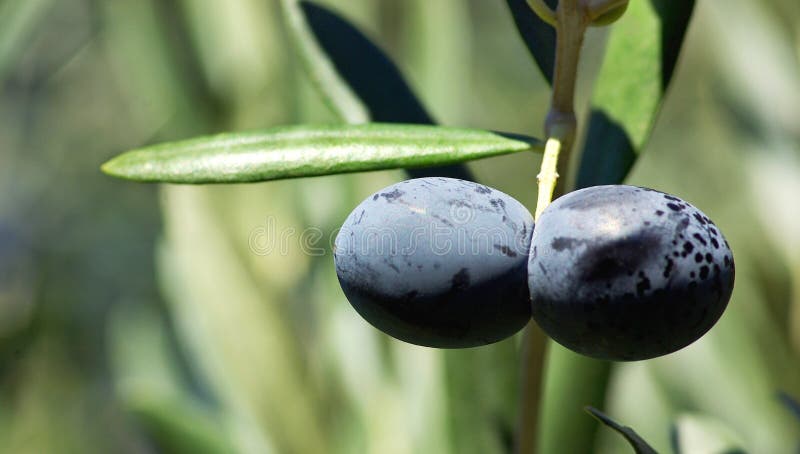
(138, 318)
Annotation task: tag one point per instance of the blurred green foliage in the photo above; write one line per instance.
(143, 319)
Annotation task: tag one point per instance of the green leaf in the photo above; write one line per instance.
(303, 151)
(640, 60)
(637, 443)
(355, 77)
(539, 36)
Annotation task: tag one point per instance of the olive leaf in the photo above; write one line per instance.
(355, 77)
(637, 443)
(306, 150)
(627, 97)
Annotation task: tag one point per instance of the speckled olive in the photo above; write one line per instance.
(627, 273)
(438, 262)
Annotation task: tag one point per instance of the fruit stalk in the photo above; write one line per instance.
(571, 21)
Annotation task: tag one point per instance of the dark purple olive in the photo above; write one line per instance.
(627, 273)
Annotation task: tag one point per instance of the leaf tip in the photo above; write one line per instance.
(119, 167)
(108, 167)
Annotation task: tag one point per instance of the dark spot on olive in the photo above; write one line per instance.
(668, 268)
(681, 226)
(703, 272)
(674, 207)
(698, 257)
(688, 247)
(460, 280)
(480, 189)
(699, 218)
(561, 243)
(659, 213)
(709, 257)
(443, 220)
(505, 250)
(715, 243)
(616, 257)
(392, 196)
(700, 238)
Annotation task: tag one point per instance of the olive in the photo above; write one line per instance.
(438, 262)
(627, 273)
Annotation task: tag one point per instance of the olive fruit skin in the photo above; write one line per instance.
(626, 273)
(438, 262)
